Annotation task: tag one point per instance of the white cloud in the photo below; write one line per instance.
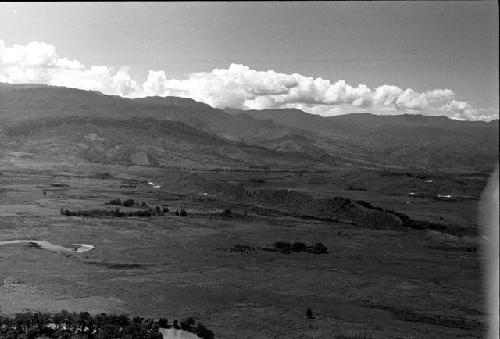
(238, 86)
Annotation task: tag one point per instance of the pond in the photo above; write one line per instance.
(51, 247)
(172, 333)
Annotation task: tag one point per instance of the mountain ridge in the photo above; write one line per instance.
(360, 138)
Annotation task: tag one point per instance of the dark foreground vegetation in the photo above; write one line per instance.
(99, 213)
(118, 213)
(87, 326)
(408, 222)
(282, 247)
(287, 248)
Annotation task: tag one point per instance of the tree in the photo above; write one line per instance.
(187, 324)
(129, 203)
(183, 212)
(309, 313)
(163, 323)
(203, 332)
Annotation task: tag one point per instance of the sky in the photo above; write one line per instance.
(328, 58)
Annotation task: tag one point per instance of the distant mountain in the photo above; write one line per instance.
(138, 141)
(405, 140)
(21, 102)
(70, 125)
(166, 131)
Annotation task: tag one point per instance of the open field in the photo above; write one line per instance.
(396, 282)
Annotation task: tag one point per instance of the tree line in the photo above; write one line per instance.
(83, 325)
(144, 210)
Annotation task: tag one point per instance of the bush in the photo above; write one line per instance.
(187, 324)
(287, 248)
(183, 212)
(242, 248)
(309, 313)
(163, 322)
(298, 247)
(226, 212)
(318, 248)
(129, 203)
(283, 247)
(117, 202)
(98, 213)
(203, 332)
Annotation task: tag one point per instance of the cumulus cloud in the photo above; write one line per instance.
(237, 86)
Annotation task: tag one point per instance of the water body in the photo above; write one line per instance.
(172, 333)
(51, 247)
(154, 185)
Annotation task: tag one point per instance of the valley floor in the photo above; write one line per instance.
(393, 283)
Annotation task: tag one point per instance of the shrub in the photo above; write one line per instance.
(284, 247)
(287, 248)
(226, 212)
(118, 213)
(183, 212)
(281, 244)
(203, 332)
(187, 324)
(129, 203)
(241, 248)
(98, 213)
(298, 247)
(165, 210)
(318, 248)
(163, 322)
(309, 313)
(117, 202)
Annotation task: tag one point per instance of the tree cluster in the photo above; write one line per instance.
(181, 213)
(133, 203)
(83, 325)
(99, 213)
(77, 326)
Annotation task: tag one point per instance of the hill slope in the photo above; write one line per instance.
(405, 140)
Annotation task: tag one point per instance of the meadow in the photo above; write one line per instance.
(394, 282)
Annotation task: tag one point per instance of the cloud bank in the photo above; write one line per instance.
(238, 86)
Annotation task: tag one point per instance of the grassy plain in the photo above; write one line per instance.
(391, 283)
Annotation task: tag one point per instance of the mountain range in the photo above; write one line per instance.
(63, 124)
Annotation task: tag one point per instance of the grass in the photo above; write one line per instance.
(171, 267)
